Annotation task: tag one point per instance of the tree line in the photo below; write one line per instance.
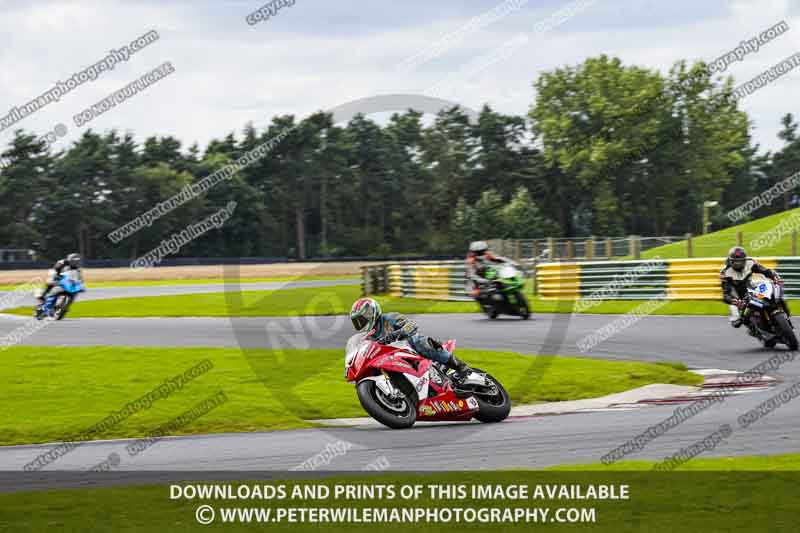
(606, 149)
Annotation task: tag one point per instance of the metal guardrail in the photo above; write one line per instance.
(443, 280)
(675, 279)
(580, 248)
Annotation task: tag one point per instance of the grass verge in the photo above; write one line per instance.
(612, 307)
(332, 300)
(54, 393)
(718, 243)
(203, 281)
(751, 463)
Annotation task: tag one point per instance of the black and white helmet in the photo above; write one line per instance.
(478, 247)
(74, 260)
(737, 257)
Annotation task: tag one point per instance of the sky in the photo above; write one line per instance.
(312, 55)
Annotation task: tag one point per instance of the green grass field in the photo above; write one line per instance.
(753, 463)
(717, 244)
(612, 307)
(52, 393)
(206, 281)
(332, 300)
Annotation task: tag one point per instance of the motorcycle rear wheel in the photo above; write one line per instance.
(400, 413)
(785, 329)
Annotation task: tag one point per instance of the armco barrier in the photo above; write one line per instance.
(680, 279)
(443, 280)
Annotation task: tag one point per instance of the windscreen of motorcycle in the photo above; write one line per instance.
(70, 281)
(508, 271)
(71, 275)
(761, 289)
(354, 343)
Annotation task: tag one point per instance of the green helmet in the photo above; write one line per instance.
(365, 314)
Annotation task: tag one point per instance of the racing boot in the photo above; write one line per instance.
(463, 374)
(458, 365)
(735, 317)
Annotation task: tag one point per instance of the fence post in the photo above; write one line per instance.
(366, 282)
(384, 279)
(517, 250)
(589, 249)
(551, 246)
(739, 238)
(689, 245)
(633, 247)
(535, 249)
(609, 249)
(570, 250)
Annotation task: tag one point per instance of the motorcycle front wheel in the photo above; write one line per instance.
(61, 305)
(395, 413)
(523, 308)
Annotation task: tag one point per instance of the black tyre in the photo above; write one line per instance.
(770, 343)
(522, 306)
(784, 327)
(495, 408)
(396, 413)
(61, 306)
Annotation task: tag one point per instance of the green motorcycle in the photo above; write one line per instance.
(502, 292)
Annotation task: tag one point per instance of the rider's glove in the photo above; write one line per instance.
(738, 302)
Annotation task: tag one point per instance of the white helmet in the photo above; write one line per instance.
(478, 247)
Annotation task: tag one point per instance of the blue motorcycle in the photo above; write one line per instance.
(57, 303)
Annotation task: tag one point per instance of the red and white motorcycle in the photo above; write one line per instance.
(397, 386)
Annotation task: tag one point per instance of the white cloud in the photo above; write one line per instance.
(318, 54)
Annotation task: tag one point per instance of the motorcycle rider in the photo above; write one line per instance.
(386, 328)
(479, 258)
(735, 277)
(71, 262)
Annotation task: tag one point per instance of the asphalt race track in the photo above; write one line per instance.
(700, 342)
